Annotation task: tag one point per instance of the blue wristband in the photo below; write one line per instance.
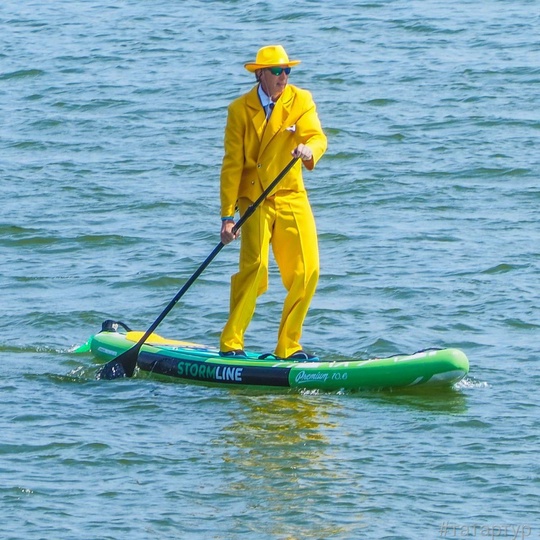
(227, 218)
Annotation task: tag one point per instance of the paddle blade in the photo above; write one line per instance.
(121, 366)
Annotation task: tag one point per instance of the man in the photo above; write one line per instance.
(265, 127)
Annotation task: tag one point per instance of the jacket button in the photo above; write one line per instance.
(259, 166)
(253, 182)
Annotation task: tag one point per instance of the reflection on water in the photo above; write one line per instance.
(285, 455)
(280, 453)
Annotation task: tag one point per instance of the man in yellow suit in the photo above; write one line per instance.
(265, 127)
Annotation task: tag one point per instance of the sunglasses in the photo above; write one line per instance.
(277, 71)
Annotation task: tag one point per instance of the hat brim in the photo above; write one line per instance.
(252, 66)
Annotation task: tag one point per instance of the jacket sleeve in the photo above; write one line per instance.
(233, 160)
(310, 131)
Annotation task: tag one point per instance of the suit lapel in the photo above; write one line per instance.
(257, 113)
(277, 118)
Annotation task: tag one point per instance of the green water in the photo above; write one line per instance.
(112, 117)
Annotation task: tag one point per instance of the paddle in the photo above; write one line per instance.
(124, 365)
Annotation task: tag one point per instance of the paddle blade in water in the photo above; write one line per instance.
(122, 366)
(111, 370)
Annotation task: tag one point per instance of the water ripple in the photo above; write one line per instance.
(426, 205)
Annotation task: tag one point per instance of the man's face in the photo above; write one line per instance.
(273, 85)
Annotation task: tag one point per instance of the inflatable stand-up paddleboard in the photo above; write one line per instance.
(202, 364)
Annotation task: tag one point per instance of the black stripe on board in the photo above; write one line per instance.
(215, 373)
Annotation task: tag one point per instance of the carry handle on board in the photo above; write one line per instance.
(124, 364)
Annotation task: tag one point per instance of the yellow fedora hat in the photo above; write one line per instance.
(269, 56)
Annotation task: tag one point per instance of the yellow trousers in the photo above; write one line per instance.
(284, 221)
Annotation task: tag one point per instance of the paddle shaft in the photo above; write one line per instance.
(128, 360)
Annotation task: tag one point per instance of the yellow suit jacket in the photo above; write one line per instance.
(256, 151)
